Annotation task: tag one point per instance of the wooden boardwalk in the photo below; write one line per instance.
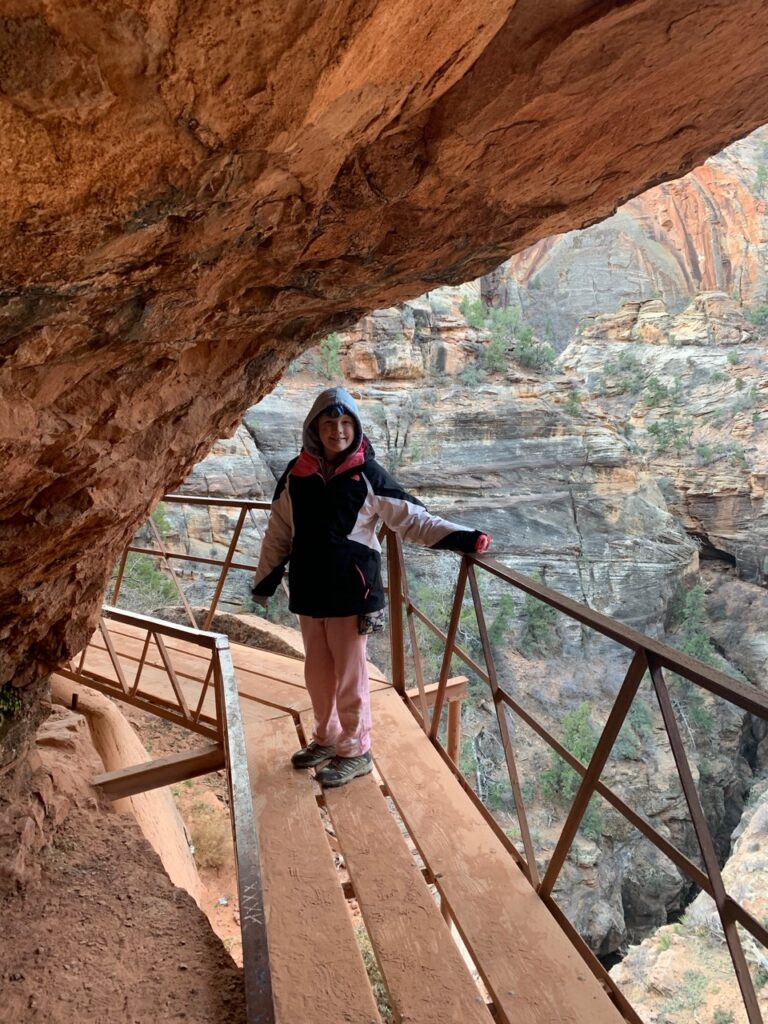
(531, 974)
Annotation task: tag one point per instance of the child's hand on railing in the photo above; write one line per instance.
(483, 543)
(259, 599)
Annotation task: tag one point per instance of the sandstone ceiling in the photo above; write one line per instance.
(193, 191)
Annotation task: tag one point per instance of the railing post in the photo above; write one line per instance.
(396, 633)
(450, 641)
(257, 976)
(225, 569)
(454, 730)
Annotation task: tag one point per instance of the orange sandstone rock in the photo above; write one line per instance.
(192, 192)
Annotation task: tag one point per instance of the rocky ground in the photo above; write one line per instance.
(93, 929)
(683, 972)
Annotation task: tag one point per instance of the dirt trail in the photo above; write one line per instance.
(99, 932)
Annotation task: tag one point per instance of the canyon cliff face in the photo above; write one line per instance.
(693, 389)
(684, 971)
(707, 231)
(192, 194)
(605, 473)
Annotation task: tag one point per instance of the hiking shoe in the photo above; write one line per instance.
(342, 770)
(312, 755)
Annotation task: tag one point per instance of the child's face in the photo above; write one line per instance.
(336, 434)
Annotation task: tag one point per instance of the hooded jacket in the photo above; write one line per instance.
(324, 520)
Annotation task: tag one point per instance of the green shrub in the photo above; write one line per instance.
(739, 383)
(671, 433)
(694, 632)
(579, 737)
(637, 727)
(689, 996)
(717, 377)
(695, 640)
(532, 354)
(733, 358)
(664, 943)
(504, 323)
(655, 392)
(473, 311)
(502, 620)
(10, 702)
(758, 316)
(471, 375)
(144, 585)
(439, 305)
(704, 454)
(572, 404)
(721, 1016)
(161, 520)
(625, 374)
(591, 824)
(495, 355)
(560, 782)
(329, 361)
(539, 619)
(499, 795)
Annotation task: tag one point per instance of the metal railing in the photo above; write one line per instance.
(648, 656)
(246, 509)
(134, 675)
(134, 680)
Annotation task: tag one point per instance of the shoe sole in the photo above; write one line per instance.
(349, 778)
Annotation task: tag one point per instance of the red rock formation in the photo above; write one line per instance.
(193, 192)
(707, 231)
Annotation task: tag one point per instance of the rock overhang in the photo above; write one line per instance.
(193, 195)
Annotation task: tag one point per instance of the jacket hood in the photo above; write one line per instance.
(331, 396)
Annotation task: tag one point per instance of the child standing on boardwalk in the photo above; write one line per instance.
(325, 513)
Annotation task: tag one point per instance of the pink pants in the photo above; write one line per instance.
(336, 674)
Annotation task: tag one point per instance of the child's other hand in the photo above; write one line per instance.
(483, 543)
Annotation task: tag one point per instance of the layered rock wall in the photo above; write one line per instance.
(707, 231)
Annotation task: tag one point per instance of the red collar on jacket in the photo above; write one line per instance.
(307, 465)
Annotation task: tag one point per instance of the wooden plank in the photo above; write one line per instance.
(161, 772)
(317, 970)
(504, 924)
(426, 977)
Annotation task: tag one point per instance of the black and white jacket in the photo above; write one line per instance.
(324, 528)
